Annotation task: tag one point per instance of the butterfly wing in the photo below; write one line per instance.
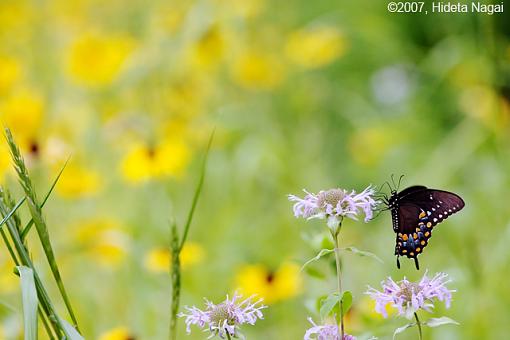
(419, 211)
(437, 204)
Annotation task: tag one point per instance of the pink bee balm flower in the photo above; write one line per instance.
(408, 297)
(224, 319)
(334, 204)
(324, 332)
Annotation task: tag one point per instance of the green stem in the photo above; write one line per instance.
(175, 272)
(228, 336)
(336, 235)
(419, 325)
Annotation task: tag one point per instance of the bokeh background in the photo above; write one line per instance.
(302, 94)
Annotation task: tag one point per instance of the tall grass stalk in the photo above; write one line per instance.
(23, 257)
(176, 246)
(37, 217)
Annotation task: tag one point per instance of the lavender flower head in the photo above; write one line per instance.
(334, 204)
(324, 332)
(408, 297)
(224, 319)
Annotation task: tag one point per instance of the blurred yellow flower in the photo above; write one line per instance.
(366, 307)
(486, 105)
(256, 70)
(8, 281)
(22, 112)
(142, 162)
(273, 286)
(315, 47)
(103, 240)
(10, 73)
(157, 260)
(245, 9)
(5, 162)
(15, 19)
(118, 333)
(186, 95)
(368, 146)
(77, 181)
(97, 60)
(208, 50)
(169, 16)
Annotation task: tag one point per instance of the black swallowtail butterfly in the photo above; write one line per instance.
(415, 211)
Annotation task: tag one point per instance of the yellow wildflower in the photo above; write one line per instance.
(368, 146)
(97, 60)
(486, 105)
(169, 17)
(186, 94)
(15, 18)
(256, 70)
(10, 73)
(143, 162)
(273, 286)
(8, 281)
(5, 162)
(366, 307)
(77, 181)
(157, 260)
(22, 112)
(315, 47)
(103, 240)
(245, 9)
(208, 50)
(117, 333)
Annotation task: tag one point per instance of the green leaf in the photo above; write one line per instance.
(328, 304)
(198, 190)
(12, 211)
(436, 322)
(363, 253)
(30, 302)
(31, 222)
(401, 329)
(313, 272)
(322, 253)
(346, 301)
(71, 332)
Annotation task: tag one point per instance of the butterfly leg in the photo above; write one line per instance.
(398, 263)
(416, 263)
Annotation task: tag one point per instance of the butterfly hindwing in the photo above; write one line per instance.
(414, 230)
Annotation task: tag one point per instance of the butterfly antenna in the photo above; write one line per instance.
(416, 263)
(398, 263)
(400, 179)
(393, 180)
(382, 186)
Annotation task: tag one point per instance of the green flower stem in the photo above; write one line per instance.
(419, 325)
(228, 336)
(336, 236)
(175, 272)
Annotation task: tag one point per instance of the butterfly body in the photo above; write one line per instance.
(415, 211)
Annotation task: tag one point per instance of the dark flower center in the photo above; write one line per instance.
(34, 148)
(270, 277)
